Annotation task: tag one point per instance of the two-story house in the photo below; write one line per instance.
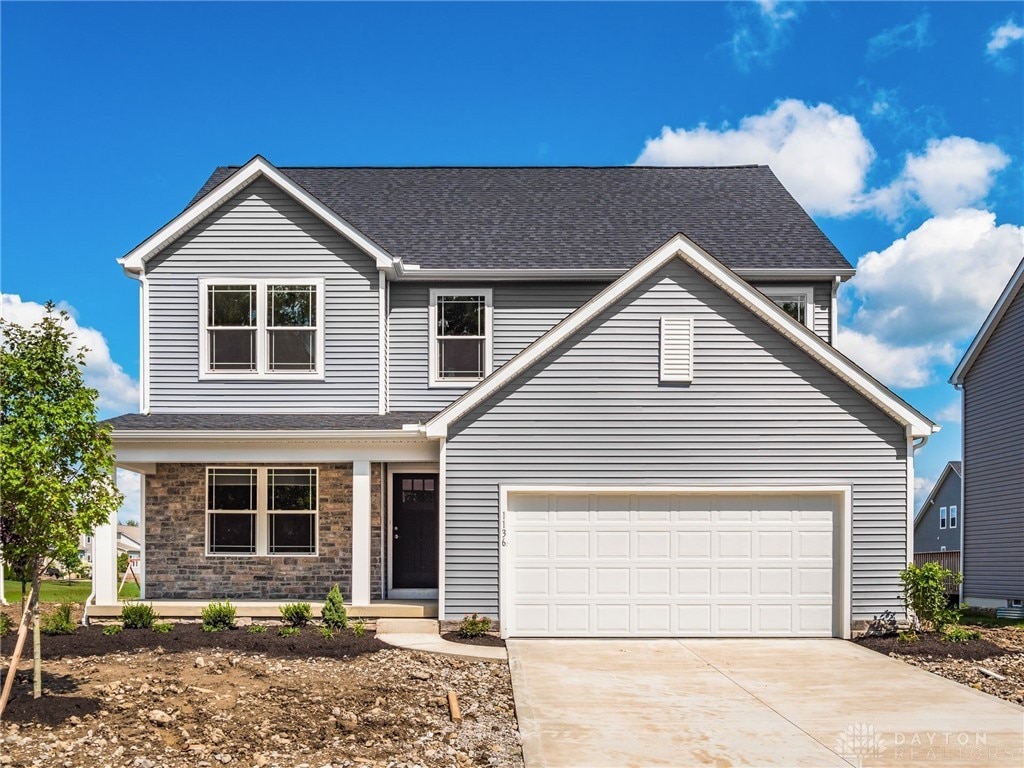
(991, 377)
(587, 401)
(939, 521)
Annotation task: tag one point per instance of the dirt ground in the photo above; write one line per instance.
(279, 704)
(994, 664)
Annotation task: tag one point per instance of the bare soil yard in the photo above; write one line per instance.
(198, 699)
(1000, 652)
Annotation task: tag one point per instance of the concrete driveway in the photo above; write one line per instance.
(593, 703)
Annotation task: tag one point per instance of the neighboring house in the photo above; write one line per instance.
(991, 376)
(129, 540)
(516, 391)
(938, 523)
(85, 548)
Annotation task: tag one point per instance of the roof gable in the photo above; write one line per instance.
(556, 218)
(951, 466)
(1010, 292)
(682, 247)
(257, 168)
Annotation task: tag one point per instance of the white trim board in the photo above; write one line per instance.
(842, 531)
(258, 167)
(682, 247)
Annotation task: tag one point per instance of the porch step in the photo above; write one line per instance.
(407, 627)
(270, 609)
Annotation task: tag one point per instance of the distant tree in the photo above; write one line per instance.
(56, 461)
(134, 523)
(122, 562)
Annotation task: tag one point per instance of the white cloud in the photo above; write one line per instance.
(118, 391)
(1010, 32)
(818, 153)
(762, 29)
(913, 36)
(951, 173)
(950, 413)
(937, 282)
(922, 487)
(129, 484)
(893, 365)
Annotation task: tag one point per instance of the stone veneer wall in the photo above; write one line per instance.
(177, 567)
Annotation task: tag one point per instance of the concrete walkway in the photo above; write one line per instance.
(594, 703)
(423, 635)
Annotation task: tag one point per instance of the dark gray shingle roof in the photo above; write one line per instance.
(500, 218)
(957, 467)
(266, 421)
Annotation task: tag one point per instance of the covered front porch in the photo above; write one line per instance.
(273, 516)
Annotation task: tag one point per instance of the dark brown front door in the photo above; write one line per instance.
(414, 531)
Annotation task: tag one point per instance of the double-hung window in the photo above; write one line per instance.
(261, 511)
(795, 301)
(952, 516)
(942, 517)
(261, 327)
(460, 336)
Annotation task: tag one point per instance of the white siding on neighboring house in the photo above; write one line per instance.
(262, 232)
(522, 313)
(758, 412)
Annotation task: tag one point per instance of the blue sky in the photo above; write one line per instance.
(899, 126)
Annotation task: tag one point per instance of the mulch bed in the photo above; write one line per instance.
(184, 638)
(491, 640)
(931, 644)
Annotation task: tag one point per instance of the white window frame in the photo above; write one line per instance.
(488, 295)
(262, 330)
(952, 516)
(942, 518)
(262, 512)
(775, 292)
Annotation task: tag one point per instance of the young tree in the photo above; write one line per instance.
(56, 461)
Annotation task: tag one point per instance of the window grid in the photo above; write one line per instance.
(460, 336)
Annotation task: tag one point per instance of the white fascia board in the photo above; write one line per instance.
(816, 275)
(682, 247)
(988, 327)
(409, 272)
(258, 167)
(259, 435)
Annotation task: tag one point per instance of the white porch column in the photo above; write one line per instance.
(360, 533)
(104, 561)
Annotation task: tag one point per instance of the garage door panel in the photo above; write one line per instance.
(670, 564)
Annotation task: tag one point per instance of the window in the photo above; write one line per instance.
(460, 336)
(942, 517)
(795, 301)
(261, 511)
(952, 516)
(261, 327)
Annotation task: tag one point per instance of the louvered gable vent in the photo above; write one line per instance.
(677, 349)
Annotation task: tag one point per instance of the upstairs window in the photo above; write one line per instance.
(795, 301)
(261, 327)
(952, 516)
(460, 336)
(942, 517)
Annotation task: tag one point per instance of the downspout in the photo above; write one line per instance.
(963, 483)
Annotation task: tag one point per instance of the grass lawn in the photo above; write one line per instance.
(987, 620)
(60, 591)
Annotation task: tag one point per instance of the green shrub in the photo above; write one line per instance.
(334, 614)
(218, 617)
(909, 636)
(359, 628)
(924, 593)
(163, 627)
(288, 631)
(256, 629)
(327, 633)
(135, 615)
(954, 633)
(297, 614)
(58, 621)
(6, 624)
(112, 629)
(474, 626)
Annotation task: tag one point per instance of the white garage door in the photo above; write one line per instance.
(669, 564)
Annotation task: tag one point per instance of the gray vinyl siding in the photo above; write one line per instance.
(822, 325)
(993, 553)
(262, 232)
(759, 411)
(928, 536)
(522, 313)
